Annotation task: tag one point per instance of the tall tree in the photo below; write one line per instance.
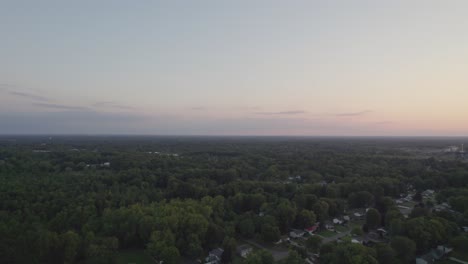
(372, 218)
(405, 248)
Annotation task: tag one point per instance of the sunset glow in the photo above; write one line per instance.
(234, 67)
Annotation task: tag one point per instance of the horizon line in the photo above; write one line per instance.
(229, 135)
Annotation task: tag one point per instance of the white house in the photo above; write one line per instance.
(337, 221)
(296, 233)
(214, 256)
(244, 250)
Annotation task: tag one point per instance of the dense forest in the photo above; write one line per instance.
(85, 199)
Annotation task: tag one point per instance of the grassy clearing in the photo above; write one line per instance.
(347, 238)
(460, 255)
(326, 233)
(134, 256)
(237, 260)
(446, 261)
(341, 228)
(355, 225)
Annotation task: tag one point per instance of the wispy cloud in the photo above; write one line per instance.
(60, 107)
(72, 122)
(20, 92)
(360, 113)
(111, 104)
(294, 112)
(29, 96)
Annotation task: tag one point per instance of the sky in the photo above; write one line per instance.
(245, 67)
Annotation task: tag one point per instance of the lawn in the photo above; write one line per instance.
(347, 238)
(341, 228)
(356, 225)
(446, 261)
(237, 260)
(326, 233)
(134, 256)
(460, 255)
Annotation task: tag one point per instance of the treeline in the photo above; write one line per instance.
(65, 206)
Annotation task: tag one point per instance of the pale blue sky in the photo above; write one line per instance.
(234, 67)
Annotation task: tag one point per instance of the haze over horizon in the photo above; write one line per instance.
(308, 68)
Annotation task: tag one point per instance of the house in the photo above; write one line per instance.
(382, 232)
(214, 256)
(428, 192)
(296, 233)
(312, 229)
(244, 250)
(346, 218)
(330, 227)
(444, 249)
(435, 254)
(404, 210)
(337, 221)
(425, 259)
(408, 198)
(358, 215)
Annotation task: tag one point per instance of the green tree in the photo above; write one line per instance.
(321, 210)
(259, 257)
(313, 243)
(162, 247)
(71, 243)
(285, 214)
(270, 232)
(372, 218)
(294, 258)
(229, 247)
(404, 247)
(385, 254)
(349, 253)
(246, 227)
(102, 250)
(305, 219)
